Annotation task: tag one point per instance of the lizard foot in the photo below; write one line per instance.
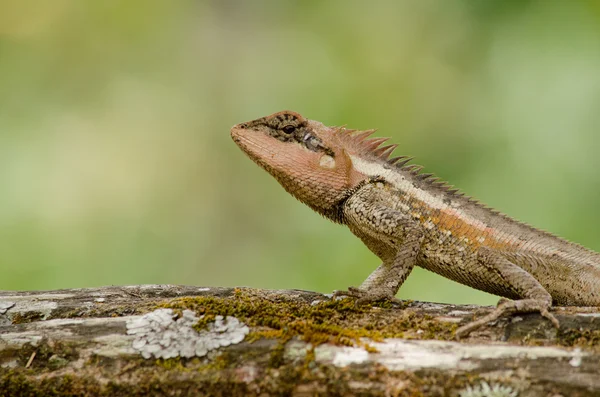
(363, 297)
(509, 307)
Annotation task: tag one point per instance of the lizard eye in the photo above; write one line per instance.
(289, 129)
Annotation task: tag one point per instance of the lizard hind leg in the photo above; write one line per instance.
(535, 297)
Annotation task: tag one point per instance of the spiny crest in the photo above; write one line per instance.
(363, 145)
(372, 147)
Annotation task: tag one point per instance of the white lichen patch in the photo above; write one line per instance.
(18, 339)
(36, 297)
(401, 355)
(162, 335)
(460, 313)
(43, 308)
(485, 390)
(588, 314)
(5, 305)
(62, 323)
(10, 364)
(576, 360)
(349, 355)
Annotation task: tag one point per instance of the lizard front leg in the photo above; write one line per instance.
(535, 297)
(392, 236)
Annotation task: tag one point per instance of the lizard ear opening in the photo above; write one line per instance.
(327, 161)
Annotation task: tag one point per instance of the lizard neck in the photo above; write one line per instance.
(336, 212)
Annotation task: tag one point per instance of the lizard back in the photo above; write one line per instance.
(457, 226)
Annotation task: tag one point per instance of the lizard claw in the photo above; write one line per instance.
(364, 297)
(352, 292)
(546, 314)
(504, 307)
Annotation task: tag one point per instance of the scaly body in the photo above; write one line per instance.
(409, 219)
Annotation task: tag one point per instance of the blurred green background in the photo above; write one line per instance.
(116, 165)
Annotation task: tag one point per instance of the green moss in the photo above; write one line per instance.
(202, 324)
(26, 317)
(313, 378)
(310, 358)
(276, 358)
(47, 355)
(222, 361)
(226, 373)
(579, 337)
(236, 372)
(15, 383)
(339, 322)
(106, 310)
(174, 363)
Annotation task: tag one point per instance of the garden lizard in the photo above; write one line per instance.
(409, 218)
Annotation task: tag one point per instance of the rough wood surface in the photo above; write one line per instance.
(239, 341)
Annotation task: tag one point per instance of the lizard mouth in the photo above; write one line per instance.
(236, 131)
(249, 141)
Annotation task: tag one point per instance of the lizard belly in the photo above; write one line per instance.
(458, 262)
(455, 261)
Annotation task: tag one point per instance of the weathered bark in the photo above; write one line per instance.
(93, 342)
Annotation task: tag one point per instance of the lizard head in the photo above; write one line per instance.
(306, 157)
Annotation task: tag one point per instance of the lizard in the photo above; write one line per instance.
(409, 218)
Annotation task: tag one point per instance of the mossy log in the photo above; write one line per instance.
(181, 340)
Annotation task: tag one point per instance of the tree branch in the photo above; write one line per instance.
(176, 340)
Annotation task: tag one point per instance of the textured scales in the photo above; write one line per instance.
(409, 218)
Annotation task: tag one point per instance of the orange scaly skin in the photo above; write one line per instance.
(408, 218)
